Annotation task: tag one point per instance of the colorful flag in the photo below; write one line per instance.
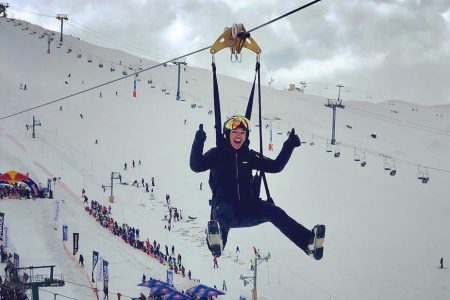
(65, 232)
(76, 236)
(2, 221)
(94, 262)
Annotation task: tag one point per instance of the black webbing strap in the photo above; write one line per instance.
(263, 175)
(217, 115)
(248, 112)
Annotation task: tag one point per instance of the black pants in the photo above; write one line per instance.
(252, 213)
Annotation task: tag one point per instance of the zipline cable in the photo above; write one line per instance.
(149, 68)
(285, 15)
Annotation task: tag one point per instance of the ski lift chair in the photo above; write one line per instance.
(422, 175)
(328, 147)
(386, 166)
(337, 152)
(393, 172)
(356, 156)
(363, 162)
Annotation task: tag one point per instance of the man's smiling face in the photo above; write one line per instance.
(237, 138)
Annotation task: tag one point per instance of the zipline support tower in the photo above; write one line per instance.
(35, 123)
(114, 175)
(3, 7)
(62, 17)
(249, 279)
(179, 63)
(333, 103)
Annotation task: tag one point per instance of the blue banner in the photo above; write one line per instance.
(5, 236)
(105, 271)
(2, 221)
(65, 232)
(94, 263)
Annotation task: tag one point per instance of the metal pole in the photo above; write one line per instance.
(112, 183)
(255, 272)
(35, 292)
(333, 140)
(34, 133)
(178, 85)
(61, 37)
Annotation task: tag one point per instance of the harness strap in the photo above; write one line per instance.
(217, 114)
(248, 112)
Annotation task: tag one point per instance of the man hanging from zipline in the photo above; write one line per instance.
(234, 202)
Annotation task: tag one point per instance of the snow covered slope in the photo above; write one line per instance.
(385, 234)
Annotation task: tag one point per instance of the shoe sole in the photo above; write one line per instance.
(214, 238)
(320, 238)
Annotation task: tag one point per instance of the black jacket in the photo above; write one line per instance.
(230, 177)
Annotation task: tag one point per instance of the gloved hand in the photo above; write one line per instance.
(200, 135)
(293, 139)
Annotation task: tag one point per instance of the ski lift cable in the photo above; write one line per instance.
(90, 31)
(58, 294)
(146, 69)
(374, 153)
(401, 122)
(114, 41)
(32, 13)
(381, 117)
(88, 287)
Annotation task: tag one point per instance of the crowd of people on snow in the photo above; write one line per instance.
(20, 191)
(131, 236)
(14, 191)
(12, 286)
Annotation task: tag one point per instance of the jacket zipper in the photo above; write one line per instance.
(237, 176)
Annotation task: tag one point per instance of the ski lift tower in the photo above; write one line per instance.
(333, 103)
(62, 17)
(114, 175)
(179, 63)
(271, 119)
(35, 123)
(35, 281)
(3, 7)
(247, 279)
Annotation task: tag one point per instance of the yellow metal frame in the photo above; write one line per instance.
(226, 40)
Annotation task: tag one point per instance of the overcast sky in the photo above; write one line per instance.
(380, 50)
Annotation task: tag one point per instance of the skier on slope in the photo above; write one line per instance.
(234, 201)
